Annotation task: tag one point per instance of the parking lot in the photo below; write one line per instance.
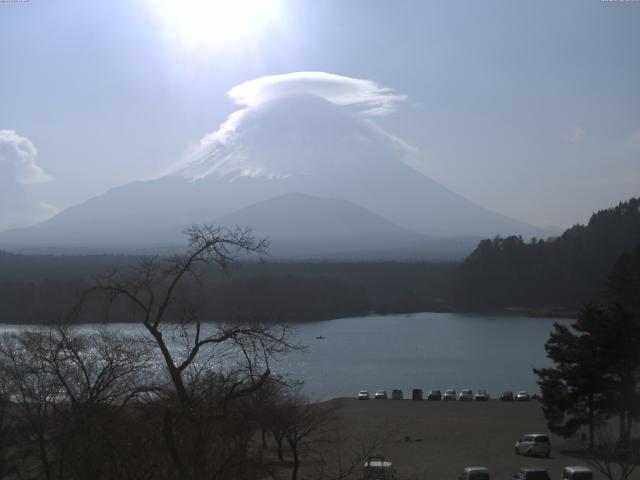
(436, 440)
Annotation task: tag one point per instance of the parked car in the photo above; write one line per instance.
(534, 444)
(434, 395)
(396, 394)
(381, 395)
(507, 396)
(377, 468)
(523, 396)
(416, 394)
(363, 395)
(474, 473)
(465, 394)
(482, 395)
(531, 473)
(449, 395)
(577, 473)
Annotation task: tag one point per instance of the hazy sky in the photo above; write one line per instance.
(531, 109)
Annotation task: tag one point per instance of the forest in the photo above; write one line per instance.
(43, 289)
(562, 272)
(537, 276)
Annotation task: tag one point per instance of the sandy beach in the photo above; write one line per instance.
(445, 437)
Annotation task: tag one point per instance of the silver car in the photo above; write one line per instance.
(465, 395)
(363, 395)
(482, 395)
(381, 395)
(449, 395)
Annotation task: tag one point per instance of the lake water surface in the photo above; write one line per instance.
(424, 350)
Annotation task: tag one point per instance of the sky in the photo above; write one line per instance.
(531, 108)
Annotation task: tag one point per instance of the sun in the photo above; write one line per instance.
(215, 23)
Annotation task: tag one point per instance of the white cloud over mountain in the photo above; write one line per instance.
(18, 170)
(295, 124)
(20, 155)
(372, 99)
(294, 137)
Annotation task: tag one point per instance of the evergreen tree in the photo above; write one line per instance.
(574, 390)
(596, 372)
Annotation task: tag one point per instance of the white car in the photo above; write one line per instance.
(381, 395)
(378, 468)
(363, 395)
(577, 473)
(534, 444)
(522, 396)
(449, 395)
(465, 395)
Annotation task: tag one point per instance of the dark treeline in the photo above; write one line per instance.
(35, 268)
(559, 272)
(43, 289)
(543, 276)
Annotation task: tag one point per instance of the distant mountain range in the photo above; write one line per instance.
(316, 178)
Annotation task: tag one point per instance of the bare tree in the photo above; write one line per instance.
(8, 459)
(344, 453)
(32, 394)
(310, 439)
(65, 392)
(209, 367)
(614, 459)
(308, 422)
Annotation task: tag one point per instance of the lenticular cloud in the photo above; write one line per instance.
(337, 89)
(298, 124)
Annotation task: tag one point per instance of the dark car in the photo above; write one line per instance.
(434, 395)
(531, 473)
(507, 396)
(416, 394)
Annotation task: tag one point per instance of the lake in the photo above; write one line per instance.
(424, 350)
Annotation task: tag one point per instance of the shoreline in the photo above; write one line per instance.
(546, 313)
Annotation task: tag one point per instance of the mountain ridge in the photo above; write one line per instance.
(294, 144)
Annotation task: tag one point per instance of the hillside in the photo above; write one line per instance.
(560, 272)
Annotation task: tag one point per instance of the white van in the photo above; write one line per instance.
(577, 472)
(377, 468)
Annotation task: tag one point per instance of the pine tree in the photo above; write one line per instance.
(596, 372)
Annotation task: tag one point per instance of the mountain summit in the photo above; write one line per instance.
(297, 135)
(302, 142)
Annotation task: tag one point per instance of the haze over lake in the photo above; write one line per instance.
(496, 352)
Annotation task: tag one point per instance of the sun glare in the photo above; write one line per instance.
(216, 23)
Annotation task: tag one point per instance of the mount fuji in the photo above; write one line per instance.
(306, 155)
